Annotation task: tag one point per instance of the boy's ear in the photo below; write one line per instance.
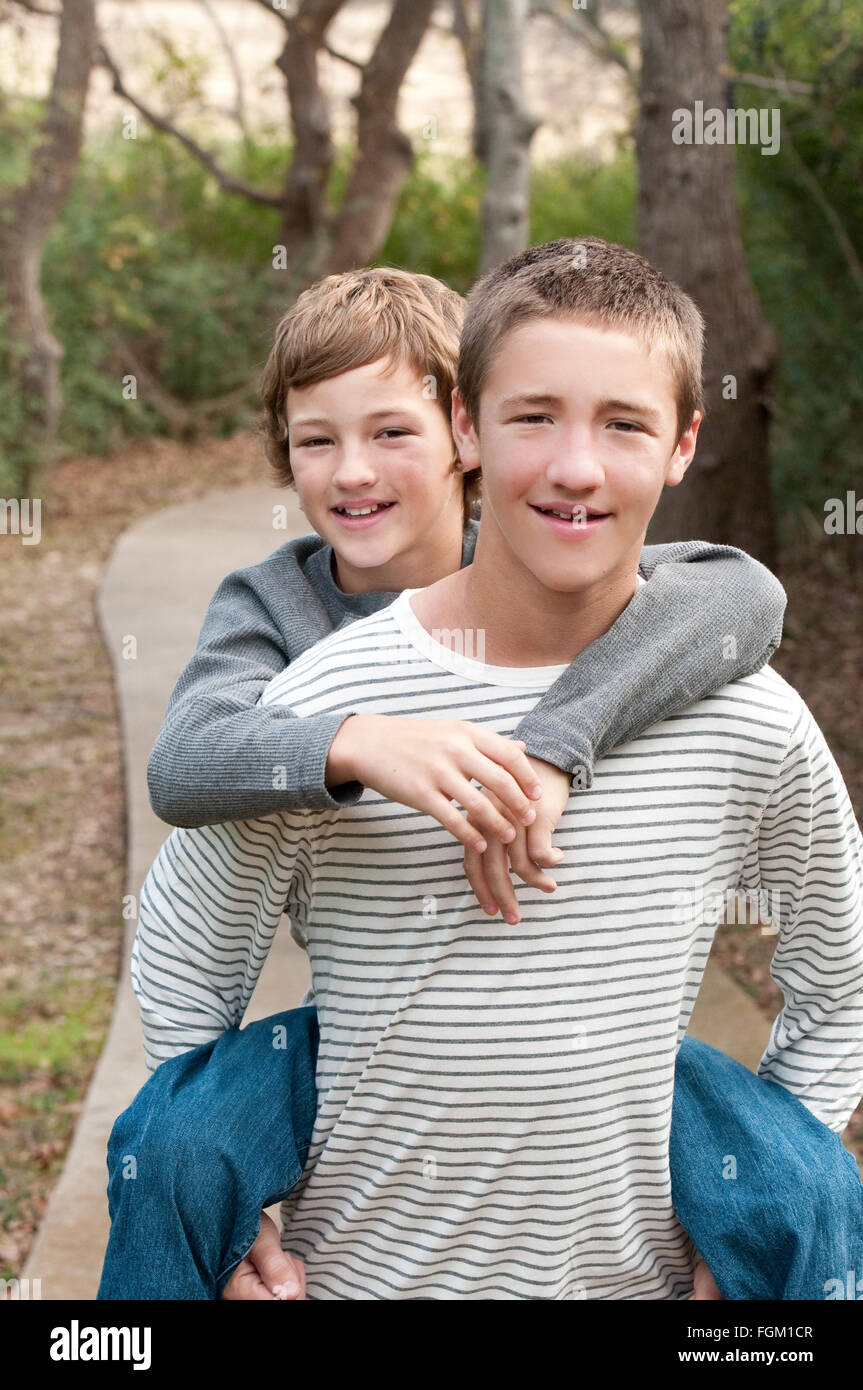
(464, 434)
(684, 453)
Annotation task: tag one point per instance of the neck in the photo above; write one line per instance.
(524, 623)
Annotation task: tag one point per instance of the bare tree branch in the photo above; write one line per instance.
(600, 41)
(37, 9)
(609, 46)
(819, 197)
(304, 202)
(175, 414)
(775, 84)
(468, 36)
(226, 181)
(395, 50)
(810, 182)
(278, 14)
(384, 153)
(343, 57)
(462, 27)
(239, 112)
(185, 419)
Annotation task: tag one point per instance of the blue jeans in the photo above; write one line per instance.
(770, 1196)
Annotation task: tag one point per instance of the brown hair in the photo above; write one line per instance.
(598, 282)
(349, 320)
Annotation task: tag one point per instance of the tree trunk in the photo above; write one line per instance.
(304, 209)
(689, 226)
(384, 153)
(470, 38)
(26, 216)
(507, 132)
(318, 241)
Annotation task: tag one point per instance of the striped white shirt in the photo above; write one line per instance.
(495, 1101)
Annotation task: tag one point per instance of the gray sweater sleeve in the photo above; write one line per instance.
(220, 756)
(709, 615)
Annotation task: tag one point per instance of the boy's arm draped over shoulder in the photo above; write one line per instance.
(208, 913)
(806, 862)
(708, 615)
(220, 756)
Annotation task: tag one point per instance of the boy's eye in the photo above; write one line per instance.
(628, 426)
(531, 419)
(308, 443)
(397, 431)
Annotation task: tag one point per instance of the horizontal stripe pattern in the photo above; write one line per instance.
(495, 1101)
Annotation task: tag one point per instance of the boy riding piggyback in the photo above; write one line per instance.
(535, 1067)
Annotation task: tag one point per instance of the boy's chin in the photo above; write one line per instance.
(363, 549)
(572, 572)
(360, 539)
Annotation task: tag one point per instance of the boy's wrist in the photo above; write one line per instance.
(341, 765)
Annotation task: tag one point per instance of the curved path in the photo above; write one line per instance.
(156, 589)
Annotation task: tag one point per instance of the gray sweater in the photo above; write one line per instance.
(709, 615)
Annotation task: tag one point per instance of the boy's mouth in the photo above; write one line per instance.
(572, 518)
(356, 515)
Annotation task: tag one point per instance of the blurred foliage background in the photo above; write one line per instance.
(149, 251)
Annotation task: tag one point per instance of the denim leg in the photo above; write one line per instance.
(214, 1136)
(770, 1196)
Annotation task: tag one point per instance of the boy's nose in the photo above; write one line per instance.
(576, 467)
(353, 467)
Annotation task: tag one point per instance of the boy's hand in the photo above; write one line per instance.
(704, 1284)
(429, 763)
(488, 873)
(267, 1272)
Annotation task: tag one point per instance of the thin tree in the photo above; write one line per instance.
(689, 225)
(28, 211)
(507, 130)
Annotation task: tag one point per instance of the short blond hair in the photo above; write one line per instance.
(347, 321)
(596, 282)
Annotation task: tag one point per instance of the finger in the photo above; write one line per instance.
(512, 758)
(521, 863)
(475, 871)
(704, 1285)
(245, 1285)
(282, 1291)
(273, 1264)
(231, 1289)
(539, 846)
(496, 867)
(482, 813)
(442, 810)
(259, 1293)
(498, 780)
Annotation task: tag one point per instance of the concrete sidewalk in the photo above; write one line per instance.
(156, 588)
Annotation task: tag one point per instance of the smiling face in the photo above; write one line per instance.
(372, 459)
(577, 420)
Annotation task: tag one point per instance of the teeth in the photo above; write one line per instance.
(576, 518)
(362, 511)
